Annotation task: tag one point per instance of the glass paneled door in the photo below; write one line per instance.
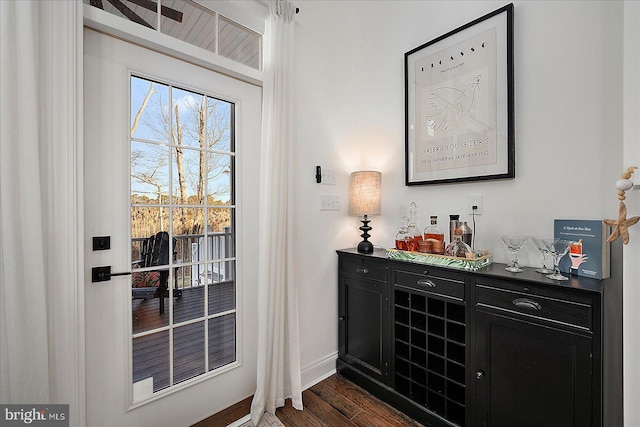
(182, 234)
(170, 163)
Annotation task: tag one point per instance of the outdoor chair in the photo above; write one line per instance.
(154, 252)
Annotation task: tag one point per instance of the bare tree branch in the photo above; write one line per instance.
(178, 142)
(141, 109)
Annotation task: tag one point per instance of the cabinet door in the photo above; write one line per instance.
(531, 375)
(364, 325)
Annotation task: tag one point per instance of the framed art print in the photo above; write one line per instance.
(459, 106)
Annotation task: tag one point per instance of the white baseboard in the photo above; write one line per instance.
(319, 370)
(240, 421)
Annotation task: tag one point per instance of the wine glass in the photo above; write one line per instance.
(543, 249)
(558, 248)
(514, 242)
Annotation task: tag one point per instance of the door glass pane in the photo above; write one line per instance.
(149, 112)
(149, 173)
(188, 110)
(222, 343)
(219, 118)
(182, 232)
(188, 351)
(189, 166)
(151, 360)
(146, 221)
(190, 305)
(222, 294)
(220, 233)
(220, 174)
(145, 310)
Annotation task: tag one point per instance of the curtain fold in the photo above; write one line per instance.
(24, 135)
(278, 376)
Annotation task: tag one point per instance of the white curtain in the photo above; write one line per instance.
(278, 340)
(41, 316)
(24, 133)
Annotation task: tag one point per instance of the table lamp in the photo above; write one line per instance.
(365, 194)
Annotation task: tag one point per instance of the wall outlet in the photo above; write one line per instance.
(475, 200)
(330, 202)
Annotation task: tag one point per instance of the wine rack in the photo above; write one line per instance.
(430, 349)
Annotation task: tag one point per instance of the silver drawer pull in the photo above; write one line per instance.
(428, 283)
(527, 303)
(362, 270)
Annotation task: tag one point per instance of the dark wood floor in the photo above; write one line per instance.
(332, 402)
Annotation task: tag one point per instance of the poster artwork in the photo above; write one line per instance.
(456, 106)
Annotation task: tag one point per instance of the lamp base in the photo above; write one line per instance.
(365, 247)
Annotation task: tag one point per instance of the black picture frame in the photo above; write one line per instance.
(459, 104)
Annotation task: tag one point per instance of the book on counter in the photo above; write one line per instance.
(590, 254)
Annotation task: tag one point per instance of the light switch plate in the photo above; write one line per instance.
(328, 177)
(330, 202)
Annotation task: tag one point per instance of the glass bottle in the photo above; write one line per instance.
(467, 233)
(412, 230)
(401, 237)
(458, 248)
(433, 234)
(454, 222)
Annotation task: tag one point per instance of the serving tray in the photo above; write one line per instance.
(468, 264)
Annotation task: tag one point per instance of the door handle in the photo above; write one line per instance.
(104, 274)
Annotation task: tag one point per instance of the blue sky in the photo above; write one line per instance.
(152, 160)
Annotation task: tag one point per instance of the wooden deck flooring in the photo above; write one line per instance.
(151, 352)
(332, 402)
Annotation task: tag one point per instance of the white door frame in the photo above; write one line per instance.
(109, 61)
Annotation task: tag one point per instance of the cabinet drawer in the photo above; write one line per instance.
(358, 267)
(541, 307)
(431, 283)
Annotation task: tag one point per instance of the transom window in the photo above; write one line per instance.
(182, 234)
(193, 23)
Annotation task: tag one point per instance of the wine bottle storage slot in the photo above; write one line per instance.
(436, 326)
(419, 339)
(402, 316)
(430, 352)
(402, 332)
(419, 375)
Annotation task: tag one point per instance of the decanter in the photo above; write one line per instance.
(458, 248)
(412, 229)
(402, 236)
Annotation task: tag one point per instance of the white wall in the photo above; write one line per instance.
(350, 116)
(631, 156)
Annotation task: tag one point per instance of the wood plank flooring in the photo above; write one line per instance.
(332, 402)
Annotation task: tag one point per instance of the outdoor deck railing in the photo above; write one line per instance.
(196, 258)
